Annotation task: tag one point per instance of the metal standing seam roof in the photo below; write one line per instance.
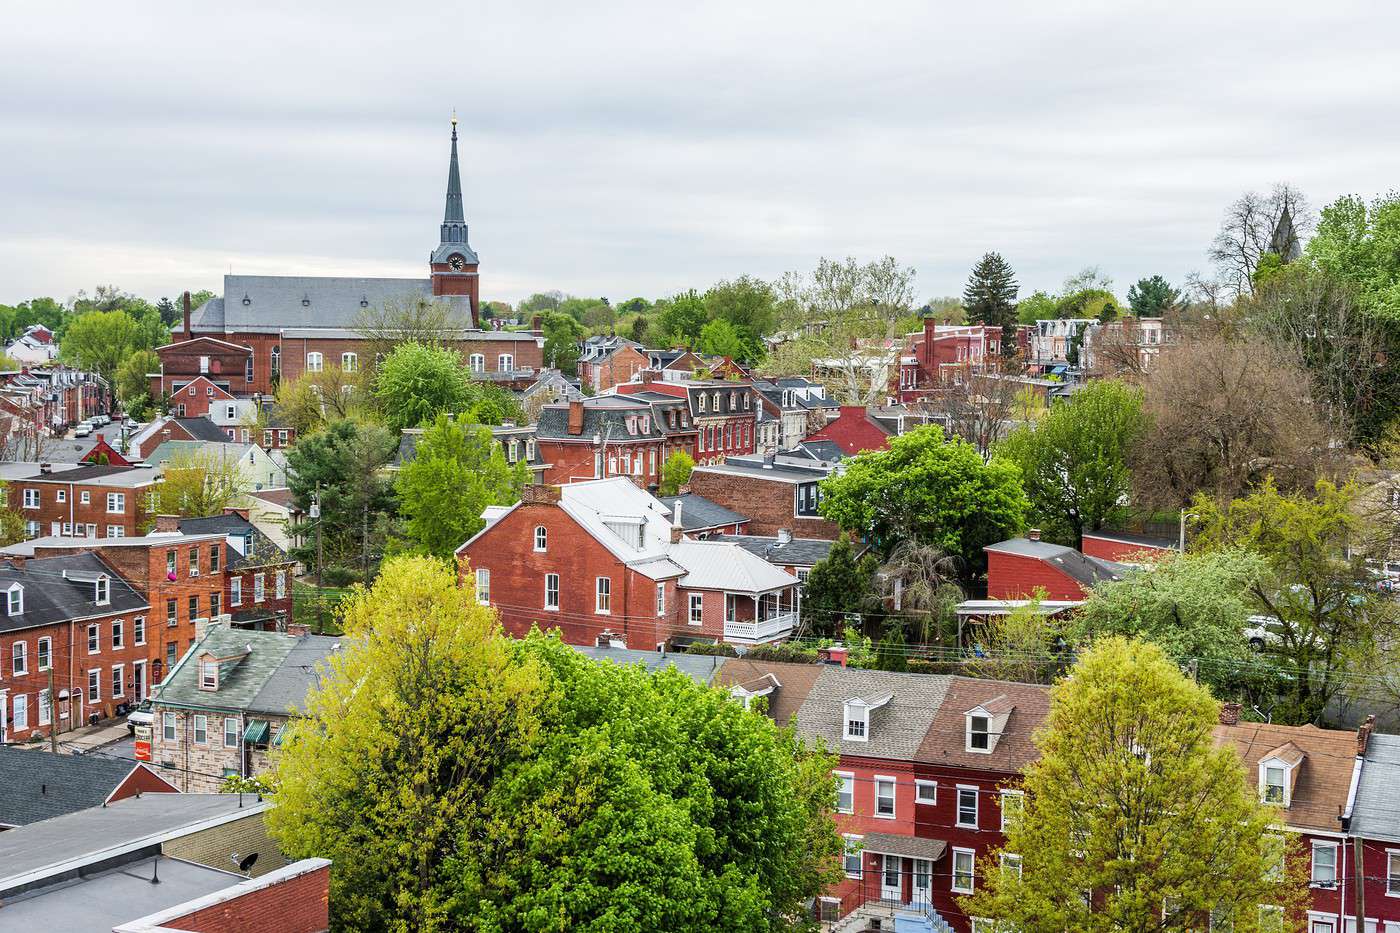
(896, 730)
(1375, 813)
(712, 565)
(50, 596)
(275, 302)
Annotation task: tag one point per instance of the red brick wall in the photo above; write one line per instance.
(142, 780)
(1013, 576)
(180, 361)
(518, 572)
(50, 510)
(269, 601)
(1105, 549)
(570, 463)
(297, 905)
(769, 505)
(852, 431)
(621, 366)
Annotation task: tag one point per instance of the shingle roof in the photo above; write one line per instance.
(896, 730)
(275, 301)
(280, 497)
(602, 415)
(1320, 793)
(1375, 814)
(299, 671)
(946, 741)
(797, 552)
(698, 667)
(202, 429)
(51, 595)
(796, 682)
(1078, 567)
(39, 784)
(271, 677)
(699, 513)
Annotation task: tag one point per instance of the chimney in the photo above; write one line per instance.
(833, 654)
(1033, 534)
(677, 527)
(576, 417)
(185, 300)
(1363, 735)
(167, 523)
(201, 628)
(536, 323)
(648, 376)
(46, 468)
(683, 489)
(540, 494)
(784, 536)
(1229, 714)
(298, 629)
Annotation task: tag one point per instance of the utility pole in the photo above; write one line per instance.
(316, 517)
(1360, 884)
(53, 711)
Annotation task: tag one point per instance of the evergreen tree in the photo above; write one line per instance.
(1152, 297)
(892, 650)
(838, 585)
(990, 295)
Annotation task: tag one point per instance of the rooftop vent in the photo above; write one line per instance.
(247, 300)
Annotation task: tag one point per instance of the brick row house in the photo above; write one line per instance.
(81, 500)
(605, 562)
(50, 398)
(606, 361)
(944, 353)
(611, 435)
(777, 493)
(258, 573)
(723, 412)
(264, 329)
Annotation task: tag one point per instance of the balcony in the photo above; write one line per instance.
(755, 631)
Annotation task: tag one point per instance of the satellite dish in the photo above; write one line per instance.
(249, 860)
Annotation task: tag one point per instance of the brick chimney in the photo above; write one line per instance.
(535, 323)
(683, 489)
(833, 654)
(540, 494)
(677, 526)
(1229, 714)
(185, 300)
(648, 376)
(1363, 735)
(1033, 534)
(298, 629)
(167, 523)
(576, 417)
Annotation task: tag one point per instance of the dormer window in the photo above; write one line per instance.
(14, 599)
(978, 734)
(208, 674)
(1278, 774)
(1274, 784)
(103, 590)
(855, 717)
(986, 724)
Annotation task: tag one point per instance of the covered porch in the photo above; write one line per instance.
(755, 618)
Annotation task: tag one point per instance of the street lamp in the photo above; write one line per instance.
(1181, 539)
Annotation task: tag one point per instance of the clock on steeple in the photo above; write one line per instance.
(454, 263)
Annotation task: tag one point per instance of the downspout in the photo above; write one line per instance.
(72, 720)
(1346, 839)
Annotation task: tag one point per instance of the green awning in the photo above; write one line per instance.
(277, 739)
(256, 733)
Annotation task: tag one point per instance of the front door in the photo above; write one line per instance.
(922, 869)
(138, 679)
(891, 888)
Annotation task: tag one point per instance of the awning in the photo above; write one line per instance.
(277, 740)
(256, 733)
(905, 846)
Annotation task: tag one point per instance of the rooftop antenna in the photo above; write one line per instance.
(155, 870)
(246, 863)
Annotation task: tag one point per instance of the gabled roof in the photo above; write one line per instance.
(797, 681)
(60, 588)
(896, 729)
(272, 677)
(699, 513)
(1084, 570)
(1024, 705)
(714, 565)
(202, 429)
(795, 552)
(40, 784)
(257, 548)
(1375, 814)
(1322, 783)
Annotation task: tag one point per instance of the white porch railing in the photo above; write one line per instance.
(757, 630)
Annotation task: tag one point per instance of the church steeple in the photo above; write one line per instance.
(453, 214)
(454, 263)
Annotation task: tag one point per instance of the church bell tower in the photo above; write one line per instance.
(454, 263)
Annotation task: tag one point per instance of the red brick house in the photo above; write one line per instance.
(943, 353)
(607, 435)
(175, 428)
(257, 573)
(779, 493)
(854, 431)
(607, 361)
(91, 501)
(604, 562)
(1018, 568)
(724, 412)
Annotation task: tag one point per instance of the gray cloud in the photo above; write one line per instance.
(631, 148)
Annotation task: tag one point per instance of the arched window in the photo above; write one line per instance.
(276, 361)
(541, 538)
(313, 362)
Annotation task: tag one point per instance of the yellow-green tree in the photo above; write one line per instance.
(1133, 819)
(198, 483)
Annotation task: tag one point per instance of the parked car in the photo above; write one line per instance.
(99, 420)
(83, 430)
(143, 715)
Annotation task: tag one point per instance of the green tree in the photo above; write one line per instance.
(463, 781)
(1153, 297)
(1037, 306)
(1194, 606)
(675, 473)
(44, 311)
(1360, 243)
(198, 483)
(748, 305)
(416, 383)
(930, 489)
(1026, 645)
(990, 295)
(100, 341)
(457, 470)
(718, 338)
(488, 403)
(561, 339)
(134, 385)
(342, 465)
(634, 306)
(312, 399)
(1074, 462)
(1131, 801)
(1329, 620)
(540, 302)
(892, 653)
(1096, 303)
(838, 586)
(12, 523)
(680, 319)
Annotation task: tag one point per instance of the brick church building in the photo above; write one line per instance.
(266, 328)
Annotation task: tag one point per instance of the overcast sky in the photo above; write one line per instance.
(637, 149)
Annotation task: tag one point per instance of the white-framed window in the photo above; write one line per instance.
(103, 590)
(477, 363)
(118, 634)
(235, 591)
(603, 593)
(349, 362)
(201, 729)
(967, 805)
(167, 727)
(1011, 864)
(116, 531)
(208, 674)
(701, 406)
(32, 529)
(45, 708)
(1319, 922)
(31, 498)
(138, 630)
(483, 586)
(116, 503)
(541, 538)
(194, 561)
(851, 857)
(926, 792)
(856, 726)
(118, 681)
(964, 865)
(978, 733)
(84, 497)
(1273, 783)
(230, 732)
(505, 363)
(845, 792)
(62, 494)
(884, 797)
(14, 599)
(697, 608)
(313, 362)
(551, 591)
(94, 685)
(1392, 872)
(259, 588)
(1324, 864)
(280, 584)
(21, 716)
(45, 653)
(660, 599)
(1013, 803)
(19, 658)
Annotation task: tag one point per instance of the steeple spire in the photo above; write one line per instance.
(453, 213)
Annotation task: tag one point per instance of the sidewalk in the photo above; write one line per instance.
(79, 741)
